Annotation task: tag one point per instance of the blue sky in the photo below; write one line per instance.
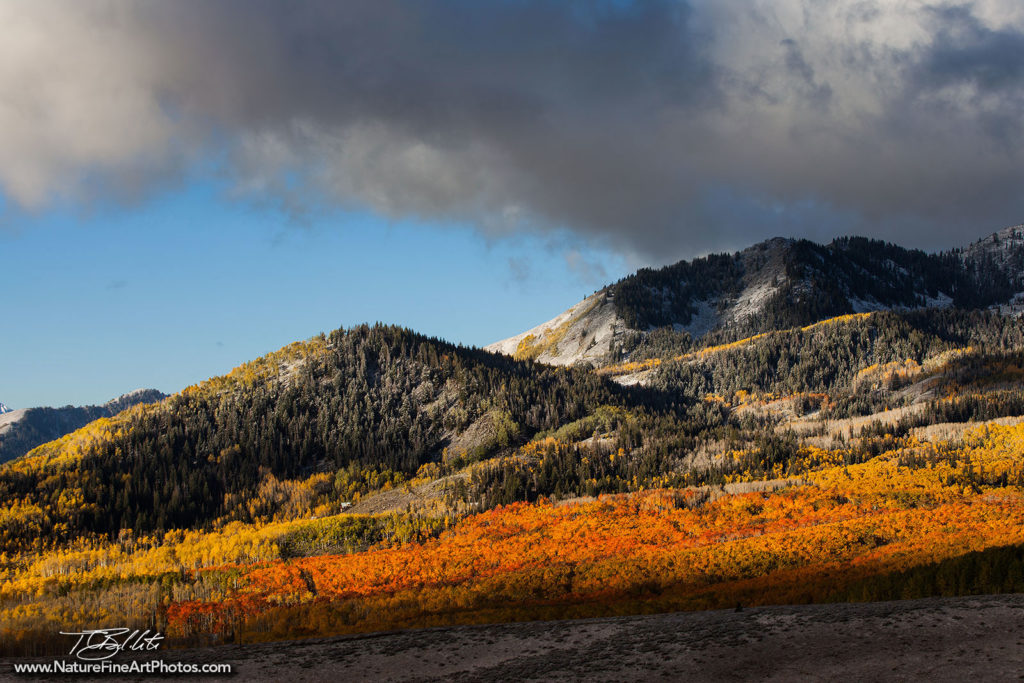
(190, 284)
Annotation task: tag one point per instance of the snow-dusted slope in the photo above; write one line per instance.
(774, 284)
(1002, 251)
(1003, 248)
(586, 332)
(764, 269)
(583, 333)
(8, 418)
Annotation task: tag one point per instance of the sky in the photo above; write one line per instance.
(187, 185)
(190, 284)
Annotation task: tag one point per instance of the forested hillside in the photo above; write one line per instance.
(816, 282)
(329, 412)
(778, 284)
(23, 430)
(374, 478)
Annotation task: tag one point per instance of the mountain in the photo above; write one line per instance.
(777, 284)
(362, 410)
(374, 479)
(735, 446)
(366, 406)
(22, 430)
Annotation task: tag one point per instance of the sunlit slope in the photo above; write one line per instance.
(374, 478)
(844, 530)
(327, 415)
(775, 285)
(22, 430)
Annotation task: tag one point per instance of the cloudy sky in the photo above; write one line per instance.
(184, 185)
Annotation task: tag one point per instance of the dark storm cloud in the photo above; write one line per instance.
(664, 128)
(967, 52)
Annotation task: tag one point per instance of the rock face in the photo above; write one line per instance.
(776, 284)
(22, 430)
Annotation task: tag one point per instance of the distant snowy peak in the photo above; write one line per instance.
(4, 409)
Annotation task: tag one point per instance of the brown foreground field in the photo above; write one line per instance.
(936, 639)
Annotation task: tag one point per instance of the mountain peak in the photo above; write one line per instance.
(1003, 247)
(775, 284)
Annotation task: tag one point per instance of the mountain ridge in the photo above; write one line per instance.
(775, 284)
(374, 478)
(23, 429)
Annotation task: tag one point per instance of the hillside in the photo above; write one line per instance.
(340, 413)
(375, 479)
(24, 429)
(777, 284)
(224, 507)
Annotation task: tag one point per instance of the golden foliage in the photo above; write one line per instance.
(907, 507)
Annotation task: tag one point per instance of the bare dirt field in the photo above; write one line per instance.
(941, 639)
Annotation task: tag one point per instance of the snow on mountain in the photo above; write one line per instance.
(583, 333)
(776, 284)
(1003, 248)
(9, 418)
(589, 331)
(123, 401)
